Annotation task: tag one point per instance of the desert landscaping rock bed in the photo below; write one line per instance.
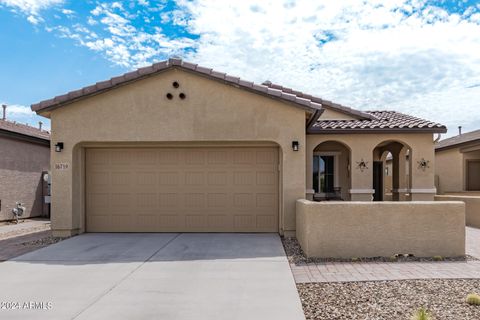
(389, 300)
(42, 242)
(296, 255)
(27, 238)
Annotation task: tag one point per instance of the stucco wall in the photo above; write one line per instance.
(21, 166)
(472, 206)
(362, 147)
(363, 229)
(139, 114)
(449, 169)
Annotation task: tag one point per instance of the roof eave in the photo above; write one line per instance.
(456, 145)
(376, 130)
(24, 137)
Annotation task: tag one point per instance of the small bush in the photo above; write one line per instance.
(473, 299)
(422, 314)
(355, 259)
(438, 258)
(393, 258)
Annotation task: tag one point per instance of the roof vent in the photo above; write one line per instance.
(4, 106)
(459, 130)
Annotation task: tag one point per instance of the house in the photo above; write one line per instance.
(458, 163)
(24, 157)
(180, 147)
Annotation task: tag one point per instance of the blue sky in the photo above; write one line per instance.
(418, 57)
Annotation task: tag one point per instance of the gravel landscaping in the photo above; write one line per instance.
(25, 237)
(11, 229)
(385, 300)
(295, 255)
(41, 242)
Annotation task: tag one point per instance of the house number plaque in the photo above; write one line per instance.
(61, 166)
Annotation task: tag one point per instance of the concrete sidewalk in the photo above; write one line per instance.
(154, 276)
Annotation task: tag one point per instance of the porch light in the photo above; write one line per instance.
(295, 145)
(59, 147)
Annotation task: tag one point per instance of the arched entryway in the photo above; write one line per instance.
(331, 176)
(391, 171)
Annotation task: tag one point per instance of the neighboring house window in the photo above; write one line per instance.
(323, 173)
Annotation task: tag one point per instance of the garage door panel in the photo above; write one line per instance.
(182, 190)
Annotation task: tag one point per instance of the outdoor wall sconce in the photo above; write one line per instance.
(362, 165)
(295, 145)
(59, 147)
(423, 164)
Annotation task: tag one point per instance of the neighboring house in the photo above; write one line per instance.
(458, 163)
(179, 147)
(24, 156)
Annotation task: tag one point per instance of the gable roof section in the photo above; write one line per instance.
(458, 140)
(386, 121)
(145, 72)
(366, 121)
(23, 132)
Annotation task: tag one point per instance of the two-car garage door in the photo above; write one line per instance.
(207, 189)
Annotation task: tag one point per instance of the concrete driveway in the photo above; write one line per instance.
(152, 276)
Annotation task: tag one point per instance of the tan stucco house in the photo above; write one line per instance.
(179, 147)
(24, 158)
(458, 163)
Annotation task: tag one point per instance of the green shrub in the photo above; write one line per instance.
(438, 258)
(422, 314)
(473, 299)
(393, 258)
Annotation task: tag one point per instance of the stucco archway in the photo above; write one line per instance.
(391, 170)
(331, 171)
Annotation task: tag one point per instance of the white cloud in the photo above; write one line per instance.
(31, 8)
(34, 19)
(378, 56)
(117, 38)
(17, 109)
(399, 54)
(67, 12)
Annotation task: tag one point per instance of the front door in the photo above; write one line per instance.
(378, 180)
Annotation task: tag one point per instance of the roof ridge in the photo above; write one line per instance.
(25, 129)
(459, 139)
(164, 65)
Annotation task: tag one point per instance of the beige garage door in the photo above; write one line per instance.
(182, 189)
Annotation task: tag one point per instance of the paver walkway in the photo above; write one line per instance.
(376, 271)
